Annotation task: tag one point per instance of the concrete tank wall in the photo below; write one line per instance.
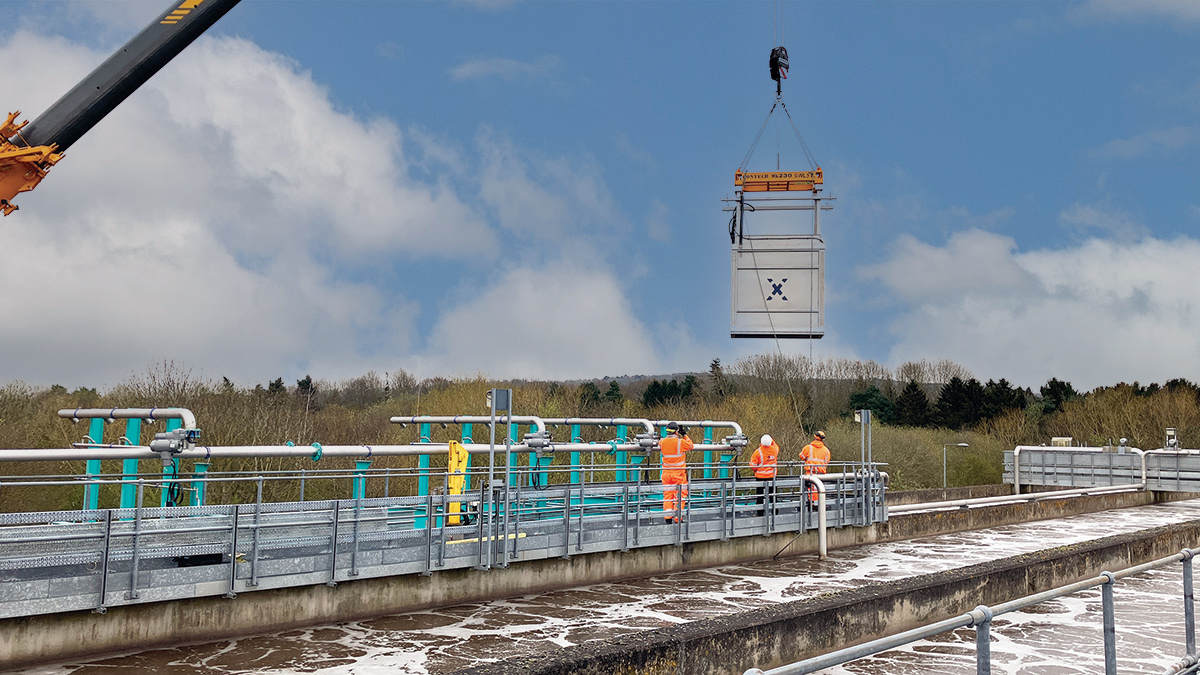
(72, 635)
(787, 632)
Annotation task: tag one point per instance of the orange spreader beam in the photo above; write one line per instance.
(779, 181)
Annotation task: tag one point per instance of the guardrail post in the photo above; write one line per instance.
(1110, 628)
(982, 617)
(233, 546)
(257, 521)
(199, 487)
(129, 467)
(100, 608)
(359, 489)
(137, 531)
(1189, 613)
(91, 491)
(333, 543)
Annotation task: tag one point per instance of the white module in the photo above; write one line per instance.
(778, 286)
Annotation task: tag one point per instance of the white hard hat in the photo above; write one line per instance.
(766, 441)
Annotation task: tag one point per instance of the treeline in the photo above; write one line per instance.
(917, 407)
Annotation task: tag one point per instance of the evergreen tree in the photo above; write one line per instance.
(276, 386)
(876, 401)
(1055, 393)
(614, 395)
(720, 384)
(912, 406)
(589, 396)
(1000, 397)
(659, 393)
(960, 404)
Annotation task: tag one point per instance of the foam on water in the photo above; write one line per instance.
(442, 640)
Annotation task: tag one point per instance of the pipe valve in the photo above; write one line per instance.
(169, 443)
(538, 439)
(736, 441)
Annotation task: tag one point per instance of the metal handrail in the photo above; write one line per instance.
(981, 619)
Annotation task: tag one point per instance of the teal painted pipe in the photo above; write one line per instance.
(129, 467)
(199, 487)
(91, 493)
(513, 458)
(708, 437)
(467, 429)
(622, 456)
(423, 474)
(575, 454)
(359, 491)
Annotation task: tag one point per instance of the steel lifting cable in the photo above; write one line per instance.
(754, 145)
(778, 345)
(812, 162)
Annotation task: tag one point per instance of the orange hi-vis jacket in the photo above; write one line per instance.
(815, 457)
(764, 460)
(674, 452)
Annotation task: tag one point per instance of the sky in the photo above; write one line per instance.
(532, 189)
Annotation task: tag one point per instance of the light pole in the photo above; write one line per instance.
(961, 445)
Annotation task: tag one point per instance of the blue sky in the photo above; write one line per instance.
(532, 189)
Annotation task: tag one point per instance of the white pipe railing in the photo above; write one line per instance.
(147, 414)
(469, 419)
(822, 549)
(715, 424)
(604, 422)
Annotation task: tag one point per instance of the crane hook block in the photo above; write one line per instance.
(779, 63)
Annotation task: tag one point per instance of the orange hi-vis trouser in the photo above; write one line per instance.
(672, 500)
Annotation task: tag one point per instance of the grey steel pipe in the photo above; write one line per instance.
(715, 424)
(110, 451)
(1009, 499)
(603, 421)
(90, 451)
(822, 550)
(470, 419)
(148, 414)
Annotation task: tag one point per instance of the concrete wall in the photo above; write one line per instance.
(947, 494)
(73, 635)
(785, 633)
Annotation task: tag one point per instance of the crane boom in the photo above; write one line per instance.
(28, 150)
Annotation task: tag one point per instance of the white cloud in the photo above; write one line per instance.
(214, 218)
(658, 227)
(231, 217)
(1094, 314)
(561, 320)
(1188, 10)
(506, 69)
(1155, 141)
(1105, 218)
(542, 197)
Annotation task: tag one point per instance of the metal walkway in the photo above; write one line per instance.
(97, 558)
(1166, 470)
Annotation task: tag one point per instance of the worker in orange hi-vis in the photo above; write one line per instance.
(816, 460)
(674, 450)
(764, 461)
